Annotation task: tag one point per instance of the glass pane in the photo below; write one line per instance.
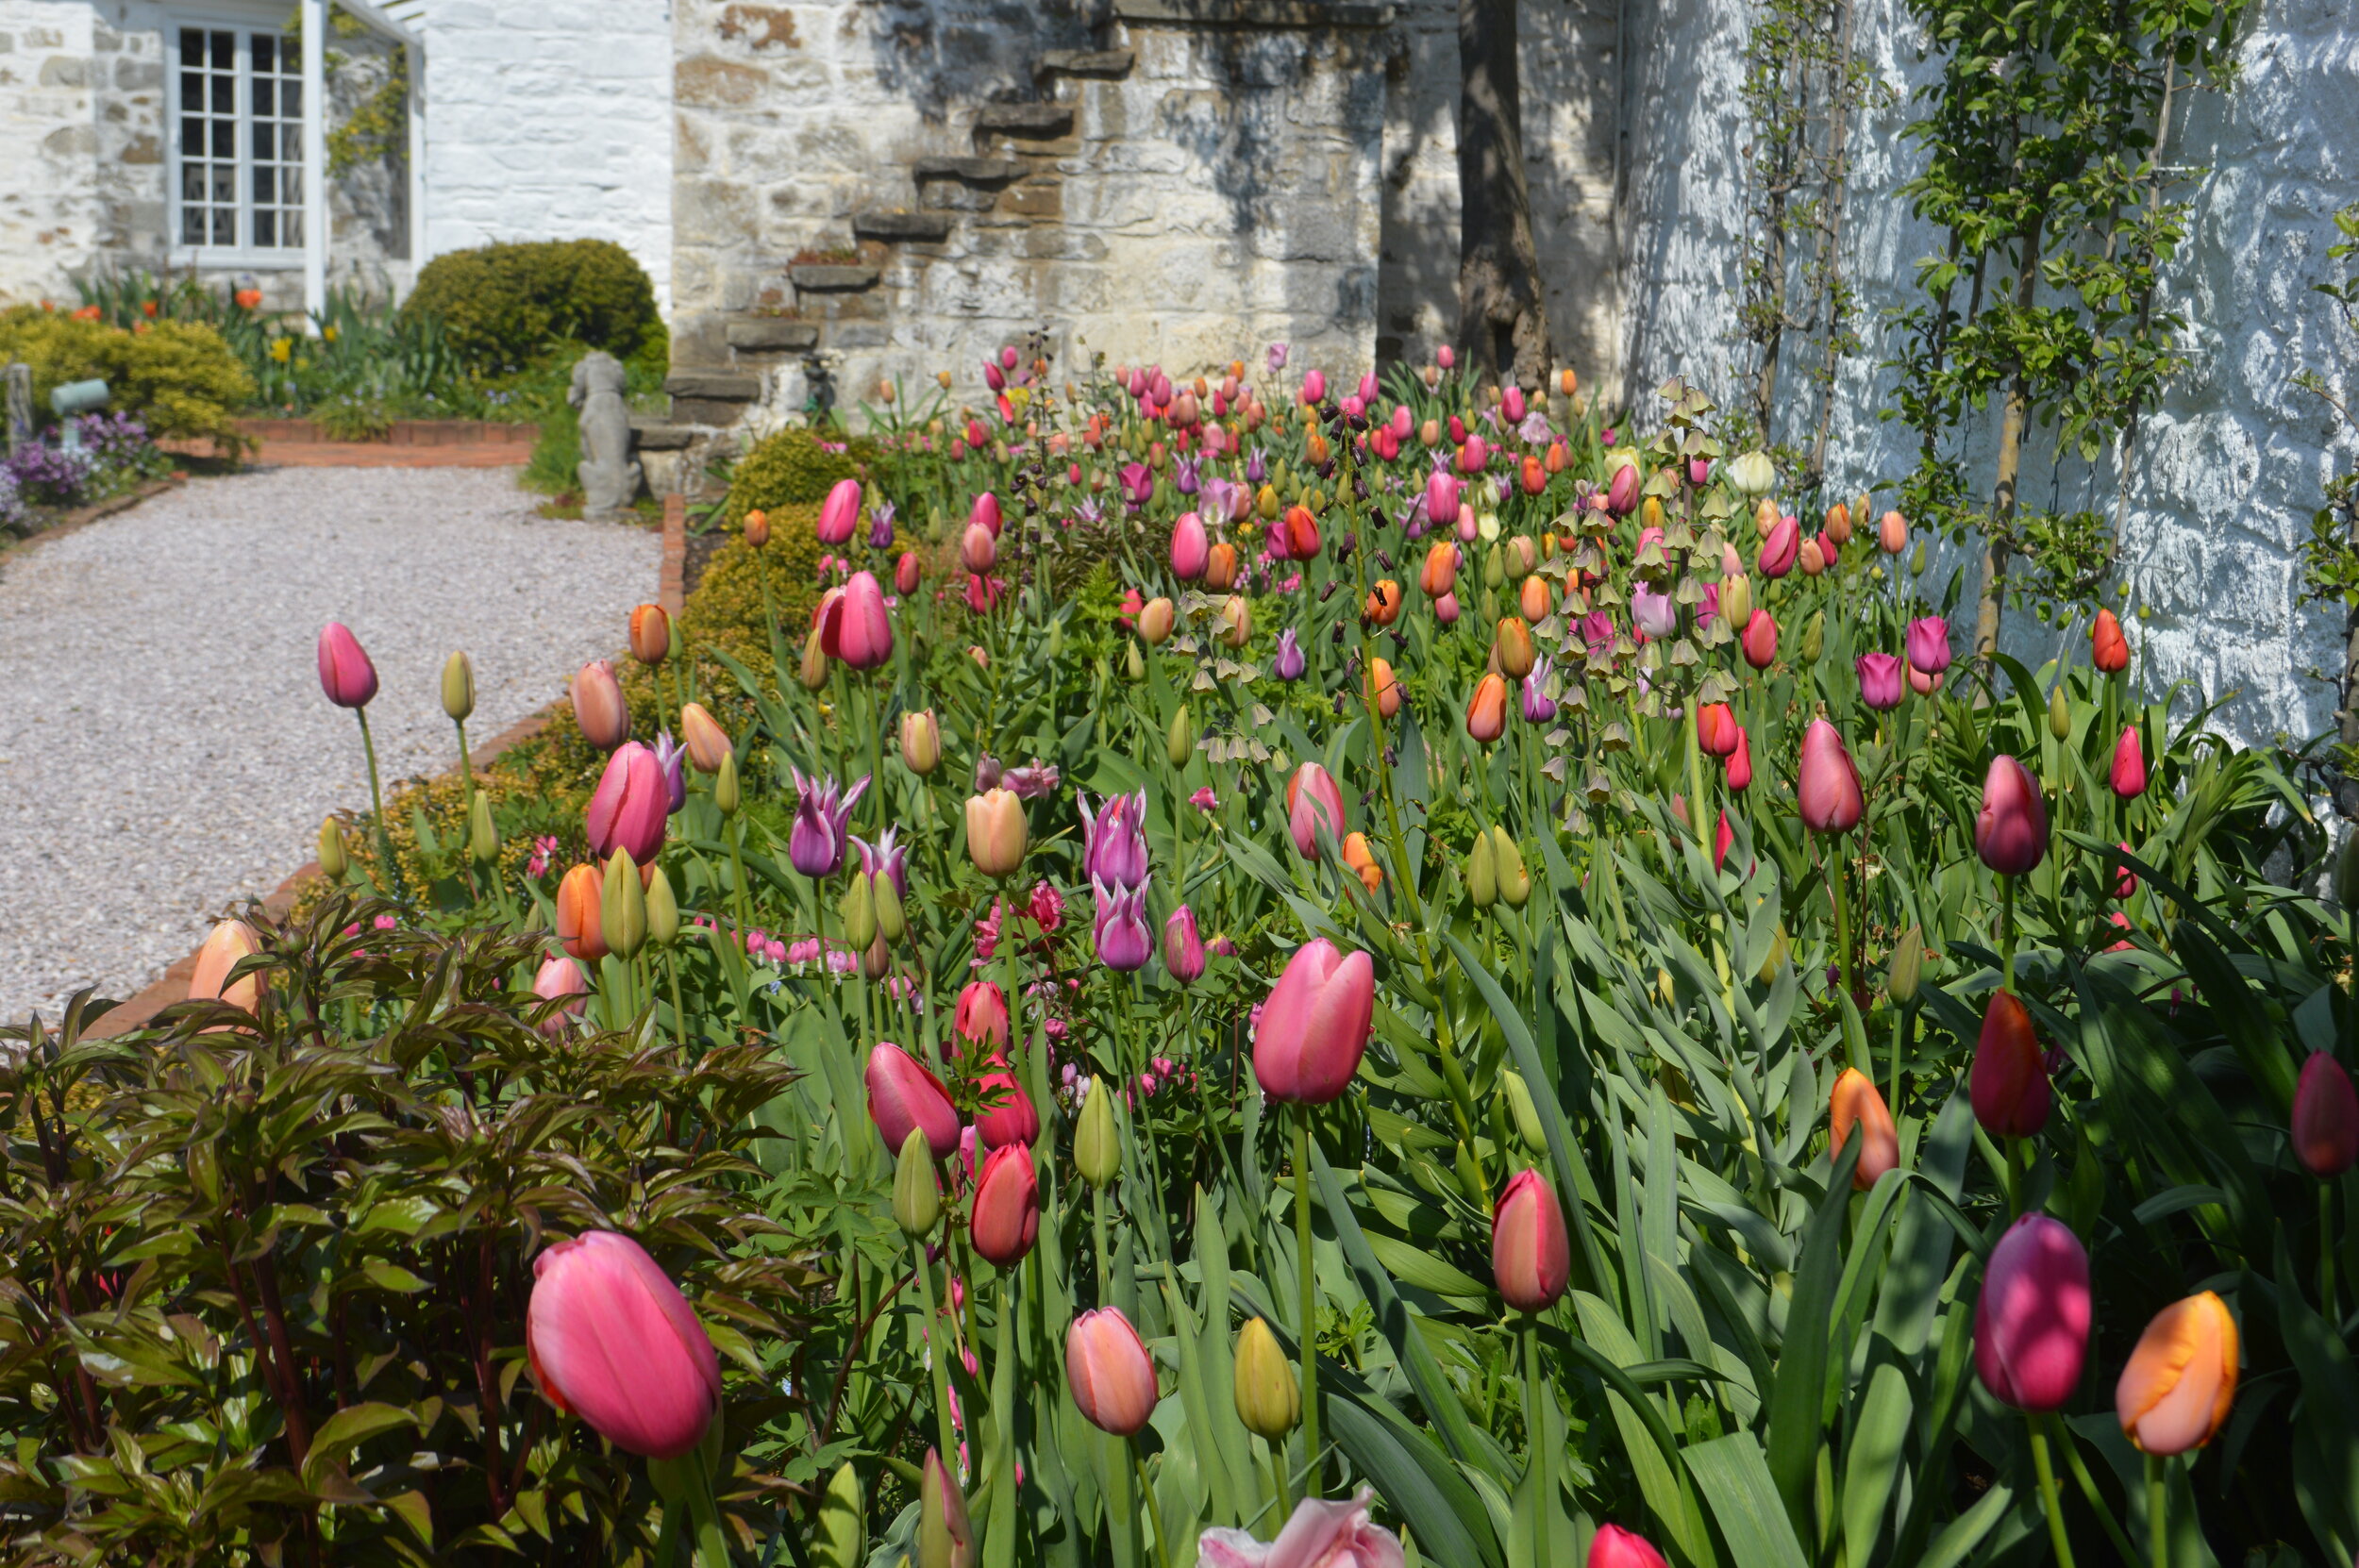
(265, 138)
(265, 228)
(224, 188)
(191, 182)
(265, 184)
(193, 225)
(224, 100)
(291, 99)
(265, 50)
(192, 47)
(224, 51)
(193, 136)
(263, 87)
(290, 228)
(224, 232)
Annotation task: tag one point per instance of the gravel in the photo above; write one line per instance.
(164, 748)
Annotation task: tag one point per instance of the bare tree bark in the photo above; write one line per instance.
(1995, 550)
(1503, 316)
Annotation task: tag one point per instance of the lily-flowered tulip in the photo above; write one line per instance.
(345, 674)
(650, 634)
(1006, 1206)
(1362, 862)
(2031, 1320)
(1120, 931)
(1111, 1375)
(1780, 550)
(2008, 1082)
(2128, 777)
(2326, 1118)
(1616, 1547)
(1319, 1535)
(1929, 644)
(1486, 711)
(629, 809)
(1191, 548)
(611, 1338)
(887, 860)
(708, 742)
(982, 1015)
(1315, 1026)
(1114, 840)
(1290, 662)
(2108, 649)
(599, 710)
(904, 1097)
(1183, 948)
(1828, 786)
(2176, 1388)
(855, 626)
(559, 978)
(1716, 730)
(1879, 684)
(839, 514)
(816, 843)
(1855, 1104)
(1013, 1119)
(1313, 806)
(1741, 762)
(945, 1536)
(2011, 830)
(225, 945)
(1539, 708)
(1760, 640)
(580, 913)
(995, 832)
(1531, 1257)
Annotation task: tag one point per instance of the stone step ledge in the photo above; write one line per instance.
(773, 335)
(1105, 64)
(832, 277)
(713, 386)
(1037, 122)
(927, 228)
(966, 171)
(1256, 13)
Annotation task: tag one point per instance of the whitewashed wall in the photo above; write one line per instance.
(550, 120)
(2230, 467)
(53, 216)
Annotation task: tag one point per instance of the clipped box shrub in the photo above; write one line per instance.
(793, 467)
(180, 376)
(501, 305)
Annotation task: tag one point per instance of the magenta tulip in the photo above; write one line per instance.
(1314, 386)
(854, 625)
(1114, 840)
(1828, 787)
(1780, 550)
(2011, 830)
(1014, 1119)
(2031, 1320)
(1006, 1206)
(985, 513)
(1315, 1026)
(1929, 644)
(630, 805)
(904, 1097)
(1120, 931)
(1190, 547)
(1530, 1256)
(839, 514)
(1760, 641)
(2326, 1118)
(2129, 773)
(611, 1338)
(1880, 685)
(345, 674)
(1621, 495)
(1111, 1375)
(1314, 803)
(1183, 949)
(1616, 1547)
(1441, 498)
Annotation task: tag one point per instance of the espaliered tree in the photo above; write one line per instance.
(2043, 136)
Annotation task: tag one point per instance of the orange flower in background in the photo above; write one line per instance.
(1362, 860)
(1486, 712)
(1856, 1104)
(88, 312)
(2177, 1387)
(1383, 605)
(147, 309)
(248, 299)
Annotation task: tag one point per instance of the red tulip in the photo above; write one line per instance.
(599, 710)
(1006, 1206)
(839, 512)
(1301, 531)
(2011, 830)
(1722, 836)
(345, 674)
(2031, 1320)
(1760, 640)
(2176, 1388)
(1716, 730)
(611, 1338)
(2326, 1118)
(1828, 786)
(2009, 1078)
(855, 625)
(1111, 1375)
(1531, 1257)
(2108, 649)
(2129, 775)
(1616, 1547)
(982, 1014)
(631, 805)
(1012, 1119)
(905, 1096)
(1741, 762)
(1856, 1104)
(906, 573)
(1315, 1026)
(1313, 803)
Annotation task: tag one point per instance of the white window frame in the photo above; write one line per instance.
(267, 18)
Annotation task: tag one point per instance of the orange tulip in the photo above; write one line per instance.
(1383, 604)
(1441, 570)
(1236, 621)
(1384, 689)
(1220, 568)
(757, 528)
(650, 634)
(1839, 523)
(1362, 859)
(1856, 1104)
(708, 742)
(2108, 649)
(2177, 1384)
(580, 900)
(1535, 599)
(1486, 712)
(1511, 646)
(227, 942)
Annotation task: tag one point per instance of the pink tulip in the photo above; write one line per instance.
(1621, 496)
(985, 513)
(1760, 640)
(1314, 385)
(1313, 802)
(1111, 1375)
(839, 514)
(1315, 1026)
(1014, 1119)
(982, 1015)
(1190, 549)
(1780, 550)
(2011, 830)
(1441, 498)
(1616, 1547)
(2326, 1118)
(1006, 1207)
(1531, 1257)
(1512, 405)
(906, 573)
(345, 674)
(978, 549)
(904, 1097)
(2031, 1320)
(1880, 685)
(1929, 644)
(599, 710)
(559, 977)
(2129, 773)
(1475, 455)
(1183, 949)
(633, 802)
(1741, 762)
(854, 625)
(611, 1338)
(1828, 787)
(1319, 1535)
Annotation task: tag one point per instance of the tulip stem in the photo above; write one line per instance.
(376, 800)
(2326, 1255)
(1537, 1431)
(679, 1014)
(1154, 1510)
(2157, 1501)
(937, 1358)
(2006, 933)
(737, 870)
(1835, 878)
(1306, 1329)
(2049, 1499)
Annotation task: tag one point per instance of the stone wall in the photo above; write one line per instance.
(2229, 468)
(54, 217)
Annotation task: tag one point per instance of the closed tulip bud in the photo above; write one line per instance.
(2059, 714)
(978, 550)
(630, 806)
(1109, 1373)
(907, 572)
(1760, 640)
(1512, 646)
(1269, 1397)
(333, 861)
(458, 688)
(1616, 1547)
(893, 921)
(2177, 1387)
(2128, 777)
(2011, 830)
(916, 1190)
(483, 834)
(1235, 627)
(345, 674)
(1813, 559)
(1486, 711)
(995, 832)
(1828, 786)
(1507, 864)
(1881, 687)
(1383, 605)
(1380, 687)
(853, 625)
(905, 1096)
(944, 1539)
(622, 907)
(611, 1338)
(580, 909)
(858, 912)
(1180, 741)
(1752, 474)
(1531, 1257)
(2326, 1118)
(225, 946)
(1483, 880)
(1533, 599)
(1929, 644)
(663, 908)
(1740, 763)
(1133, 663)
(1892, 533)
(2032, 1319)
(1155, 620)
(1183, 947)
(1838, 524)
(706, 741)
(1736, 599)
(1315, 807)
(2108, 649)
(1908, 966)
(650, 634)
(1779, 548)
(1716, 730)
(559, 979)
(1097, 1142)
(2008, 1081)
(1315, 1026)
(1854, 1105)
(1006, 1220)
(1191, 548)
(599, 710)
(725, 785)
(1220, 568)
(757, 528)
(1815, 637)
(982, 1015)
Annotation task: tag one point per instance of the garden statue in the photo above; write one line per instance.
(610, 480)
(16, 418)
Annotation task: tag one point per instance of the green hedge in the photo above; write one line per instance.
(502, 306)
(180, 376)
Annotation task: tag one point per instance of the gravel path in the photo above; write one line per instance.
(164, 748)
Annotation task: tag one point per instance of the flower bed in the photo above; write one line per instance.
(1144, 878)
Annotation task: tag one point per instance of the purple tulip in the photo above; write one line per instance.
(1257, 466)
(1539, 708)
(1032, 781)
(881, 526)
(1291, 662)
(1929, 644)
(1654, 613)
(1277, 358)
(1879, 684)
(672, 759)
(1183, 949)
(1113, 841)
(815, 844)
(885, 858)
(1187, 476)
(1124, 942)
(989, 775)
(1138, 483)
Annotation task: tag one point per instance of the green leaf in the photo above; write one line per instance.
(1872, 1462)
(1414, 1479)
(345, 1431)
(1734, 1479)
(1796, 1402)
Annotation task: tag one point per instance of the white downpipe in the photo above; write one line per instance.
(416, 52)
(315, 158)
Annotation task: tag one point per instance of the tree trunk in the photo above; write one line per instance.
(1503, 316)
(1831, 297)
(1995, 550)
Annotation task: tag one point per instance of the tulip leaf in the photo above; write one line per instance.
(1797, 1399)
(1957, 1541)
(1605, 1347)
(1414, 1479)
(2256, 1039)
(1872, 1458)
(2326, 1450)
(1734, 1479)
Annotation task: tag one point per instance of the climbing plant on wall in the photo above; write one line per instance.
(2044, 136)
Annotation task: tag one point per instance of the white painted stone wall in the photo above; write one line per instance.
(550, 120)
(52, 214)
(2229, 468)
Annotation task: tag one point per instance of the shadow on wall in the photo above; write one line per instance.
(941, 53)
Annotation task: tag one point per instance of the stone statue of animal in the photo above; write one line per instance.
(610, 479)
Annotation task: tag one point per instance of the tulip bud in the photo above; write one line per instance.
(996, 833)
(725, 785)
(1512, 644)
(483, 834)
(1269, 1400)
(1180, 743)
(2326, 1118)
(757, 528)
(662, 909)
(1736, 599)
(944, 1539)
(2008, 1080)
(1482, 873)
(916, 1192)
(1908, 965)
(2032, 1318)
(858, 908)
(458, 688)
(1507, 866)
(622, 907)
(1155, 620)
(1523, 1111)
(1530, 1256)
(1096, 1142)
(893, 921)
(1855, 1105)
(2059, 714)
(333, 861)
(921, 741)
(2347, 873)
(650, 634)
(812, 672)
(1813, 637)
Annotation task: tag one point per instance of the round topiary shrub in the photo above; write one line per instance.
(501, 305)
(793, 467)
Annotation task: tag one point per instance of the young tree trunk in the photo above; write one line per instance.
(1503, 316)
(1994, 551)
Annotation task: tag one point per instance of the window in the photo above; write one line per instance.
(237, 109)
